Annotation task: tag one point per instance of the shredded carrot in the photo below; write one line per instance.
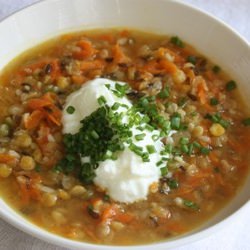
(119, 55)
(38, 103)
(43, 134)
(213, 157)
(107, 37)
(156, 67)
(109, 212)
(37, 65)
(6, 158)
(29, 69)
(175, 227)
(67, 36)
(210, 75)
(55, 69)
(190, 74)
(48, 109)
(236, 145)
(125, 33)
(87, 50)
(219, 179)
(78, 79)
(167, 66)
(124, 217)
(34, 119)
(162, 52)
(28, 190)
(202, 92)
(90, 65)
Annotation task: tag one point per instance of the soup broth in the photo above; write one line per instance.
(208, 151)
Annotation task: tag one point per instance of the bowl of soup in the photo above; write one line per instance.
(123, 124)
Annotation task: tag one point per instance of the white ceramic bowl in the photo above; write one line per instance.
(210, 36)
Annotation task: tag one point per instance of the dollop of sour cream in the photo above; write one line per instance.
(128, 178)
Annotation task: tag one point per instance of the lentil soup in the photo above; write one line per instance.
(203, 129)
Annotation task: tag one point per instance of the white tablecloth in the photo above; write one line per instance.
(235, 237)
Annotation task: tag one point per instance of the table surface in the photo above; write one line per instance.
(234, 237)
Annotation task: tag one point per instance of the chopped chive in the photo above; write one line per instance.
(192, 59)
(155, 137)
(159, 163)
(106, 197)
(216, 170)
(216, 118)
(196, 144)
(140, 137)
(107, 86)
(184, 140)
(145, 119)
(246, 122)
(164, 93)
(191, 204)
(190, 148)
(172, 183)
(136, 149)
(38, 168)
(214, 101)
(184, 148)
(177, 41)
(231, 85)
(124, 106)
(94, 134)
(175, 121)
(164, 171)
(151, 149)
(224, 123)
(70, 110)
(120, 89)
(216, 69)
(101, 100)
(149, 127)
(205, 151)
(140, 128)
(115, 106)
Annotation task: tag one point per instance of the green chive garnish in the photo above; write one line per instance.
(172, 183)
(115, 106)
(94, 134)
(164, 93)
(175, 121)
(216, 69)
(246, 122)
(140, 137)
(151, 149)
(177, 41)
(70, 110)
(101, 100)
(184, 140)
(190, 204)
(231, 85)
(205, 151)
(214, 101)
(192, 59)
(164, 171)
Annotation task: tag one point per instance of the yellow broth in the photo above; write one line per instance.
(201, 184)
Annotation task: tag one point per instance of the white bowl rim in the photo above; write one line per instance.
(182, 240)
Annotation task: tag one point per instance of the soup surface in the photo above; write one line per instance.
(203, 132)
